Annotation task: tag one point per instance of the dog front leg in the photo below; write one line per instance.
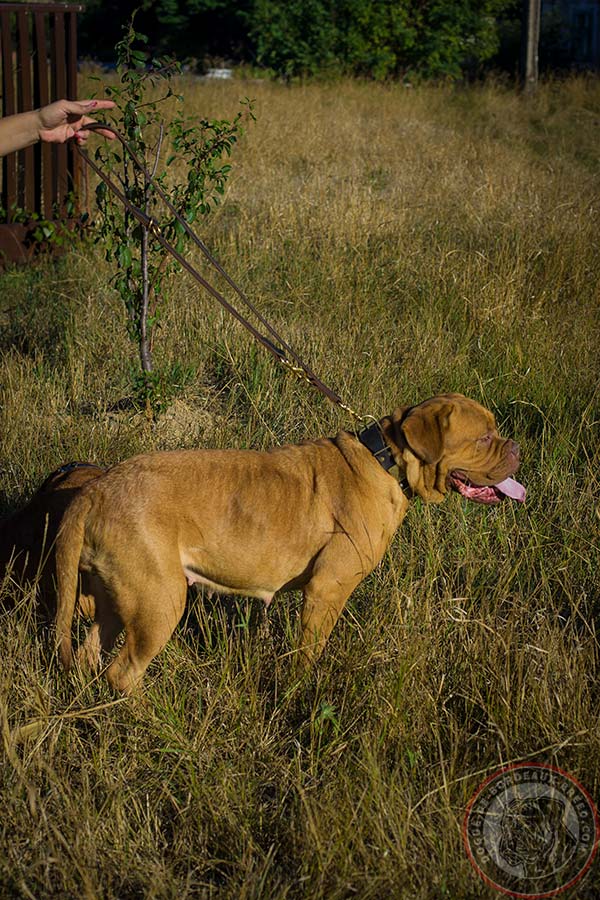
(324, 599)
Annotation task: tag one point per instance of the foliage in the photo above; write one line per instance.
(43, 232)
(454, 36)
(196, 150)
(376, 38)
(191, 30)
(298, 37)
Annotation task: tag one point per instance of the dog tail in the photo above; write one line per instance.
(69, 543)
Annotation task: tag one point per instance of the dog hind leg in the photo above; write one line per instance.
(106, 627)
(100, 639)
(147, 632)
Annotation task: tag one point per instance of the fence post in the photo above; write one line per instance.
(38, 44)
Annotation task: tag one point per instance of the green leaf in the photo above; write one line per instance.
(124, 256)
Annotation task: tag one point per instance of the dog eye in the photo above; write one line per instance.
(486, 439)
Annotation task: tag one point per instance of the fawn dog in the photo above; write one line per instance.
(316, 516)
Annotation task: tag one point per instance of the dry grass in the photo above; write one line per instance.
(407, 242)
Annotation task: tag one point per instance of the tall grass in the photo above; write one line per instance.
(407, 242)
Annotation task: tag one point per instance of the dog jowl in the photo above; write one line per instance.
(316, 516)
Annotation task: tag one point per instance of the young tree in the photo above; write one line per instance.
(200, 150)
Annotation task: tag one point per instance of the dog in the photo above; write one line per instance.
(316, 516)
(27, 536)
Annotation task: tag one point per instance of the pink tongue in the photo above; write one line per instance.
(511, 488)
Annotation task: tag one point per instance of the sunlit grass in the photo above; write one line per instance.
(406, 242)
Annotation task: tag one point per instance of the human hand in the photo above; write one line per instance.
(67, 119)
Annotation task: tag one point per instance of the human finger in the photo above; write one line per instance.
(81, 130)
(81, 136)
(80, 107)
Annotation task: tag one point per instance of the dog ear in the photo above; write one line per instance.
(424, 429)
(391, 427)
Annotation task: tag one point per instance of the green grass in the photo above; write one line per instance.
(406, 242)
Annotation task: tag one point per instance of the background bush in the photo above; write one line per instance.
(374, 38)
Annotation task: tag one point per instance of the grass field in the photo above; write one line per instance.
(407, 242)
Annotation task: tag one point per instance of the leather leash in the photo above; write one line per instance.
(282, 352)
(370, 436)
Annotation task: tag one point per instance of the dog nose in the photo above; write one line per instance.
(514, 449)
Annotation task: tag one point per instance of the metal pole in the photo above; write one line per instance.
(530, 39)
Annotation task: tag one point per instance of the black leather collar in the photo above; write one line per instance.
(372, 438)
(374, 441)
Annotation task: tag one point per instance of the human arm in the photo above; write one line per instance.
(55, 123)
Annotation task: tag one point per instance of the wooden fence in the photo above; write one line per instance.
(39, 64)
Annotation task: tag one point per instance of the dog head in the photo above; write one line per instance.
(451, 442)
